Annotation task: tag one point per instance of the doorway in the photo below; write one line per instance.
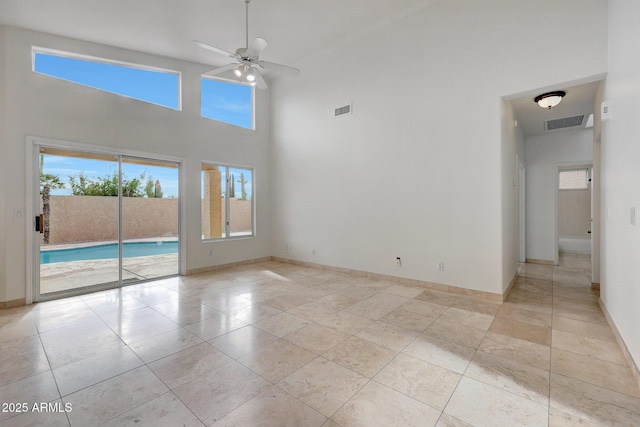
(573, 210)
(103, 220)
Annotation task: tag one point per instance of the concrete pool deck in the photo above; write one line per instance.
(62, 276)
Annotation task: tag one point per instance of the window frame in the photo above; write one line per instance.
(586, 180)
(53, 52)
(227, 201)
(233, 82)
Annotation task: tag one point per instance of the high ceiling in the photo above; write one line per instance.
(295, 29)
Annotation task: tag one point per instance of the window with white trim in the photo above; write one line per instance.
(577, 179)
(152, 85)
(227, 201)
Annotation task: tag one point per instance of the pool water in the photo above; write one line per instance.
(108, 251)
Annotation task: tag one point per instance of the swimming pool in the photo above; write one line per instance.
(108, 251)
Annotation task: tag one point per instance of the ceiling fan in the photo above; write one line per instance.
(248, 64)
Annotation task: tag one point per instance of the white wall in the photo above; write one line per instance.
(42, 106)
(512, 152)
(543, 153)
(3, 177)
(620, 243)
(418, 169)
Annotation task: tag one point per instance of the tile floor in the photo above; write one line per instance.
(275, 344)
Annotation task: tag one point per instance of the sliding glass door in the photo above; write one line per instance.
(104, 220)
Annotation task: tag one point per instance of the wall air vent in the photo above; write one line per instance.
(342, 111)
(566, 122)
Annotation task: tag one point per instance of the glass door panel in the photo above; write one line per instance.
(150, 226)
(78, 198)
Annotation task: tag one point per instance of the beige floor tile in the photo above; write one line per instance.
(17, 328)
(581, 293)
(468, 318)
(364, 357)
(316, 338)
(219, 392)
(428, 383)
(139, 324)
(286, 302)
(480, 404)
(534, 285)
(570, 277)
(408, 320)
(106, 400)
(20, 346)
(581, 304)
(524, 331)
(449, 421)
(273, 408)
(519, 379)
(187, 365)
(61, 352)
(254, 312)
(586, 329)
(34, 389)
(313, 311)
(585, 315)
(242, 341)
(387, 335)
(594, 371)
(592, 347)
(277, 359)
(454, 357)
(186, 314)
(532, 301)
(423, 308)
(536, 271)
(337, 301)
(456, 333)
(521, 351)
(323, 385)
(215, 326)
(477, 306)
(54, 418)
(164, 344)
(525, 316)
(282, 324)
(346, 322)
(23, 366)
(404, 291)
(166, 410)
(377, 306)
(587, 404)
(379, 406)
(92, 370)
(560, 418)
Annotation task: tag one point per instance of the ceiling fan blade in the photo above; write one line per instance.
(279, 68)
(221, 70)
(257, 46)
(215, 49)
(260, 82)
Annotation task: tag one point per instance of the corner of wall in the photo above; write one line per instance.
(3, 180)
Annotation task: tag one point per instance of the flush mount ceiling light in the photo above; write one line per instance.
(550, 99)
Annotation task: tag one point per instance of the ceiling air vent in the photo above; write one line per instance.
(566, 122)
(342, 111)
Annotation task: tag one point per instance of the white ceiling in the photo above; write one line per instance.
(295, 29)
(531, 118)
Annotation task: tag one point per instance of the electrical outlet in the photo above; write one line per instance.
(313, 251)
(398, 262)
(632, 216)
(210, 252)
(441, 266)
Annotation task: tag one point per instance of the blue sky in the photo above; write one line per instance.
(64, 167)
(223, 101)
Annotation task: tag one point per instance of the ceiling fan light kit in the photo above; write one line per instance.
(247, 67)
(550, 99)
